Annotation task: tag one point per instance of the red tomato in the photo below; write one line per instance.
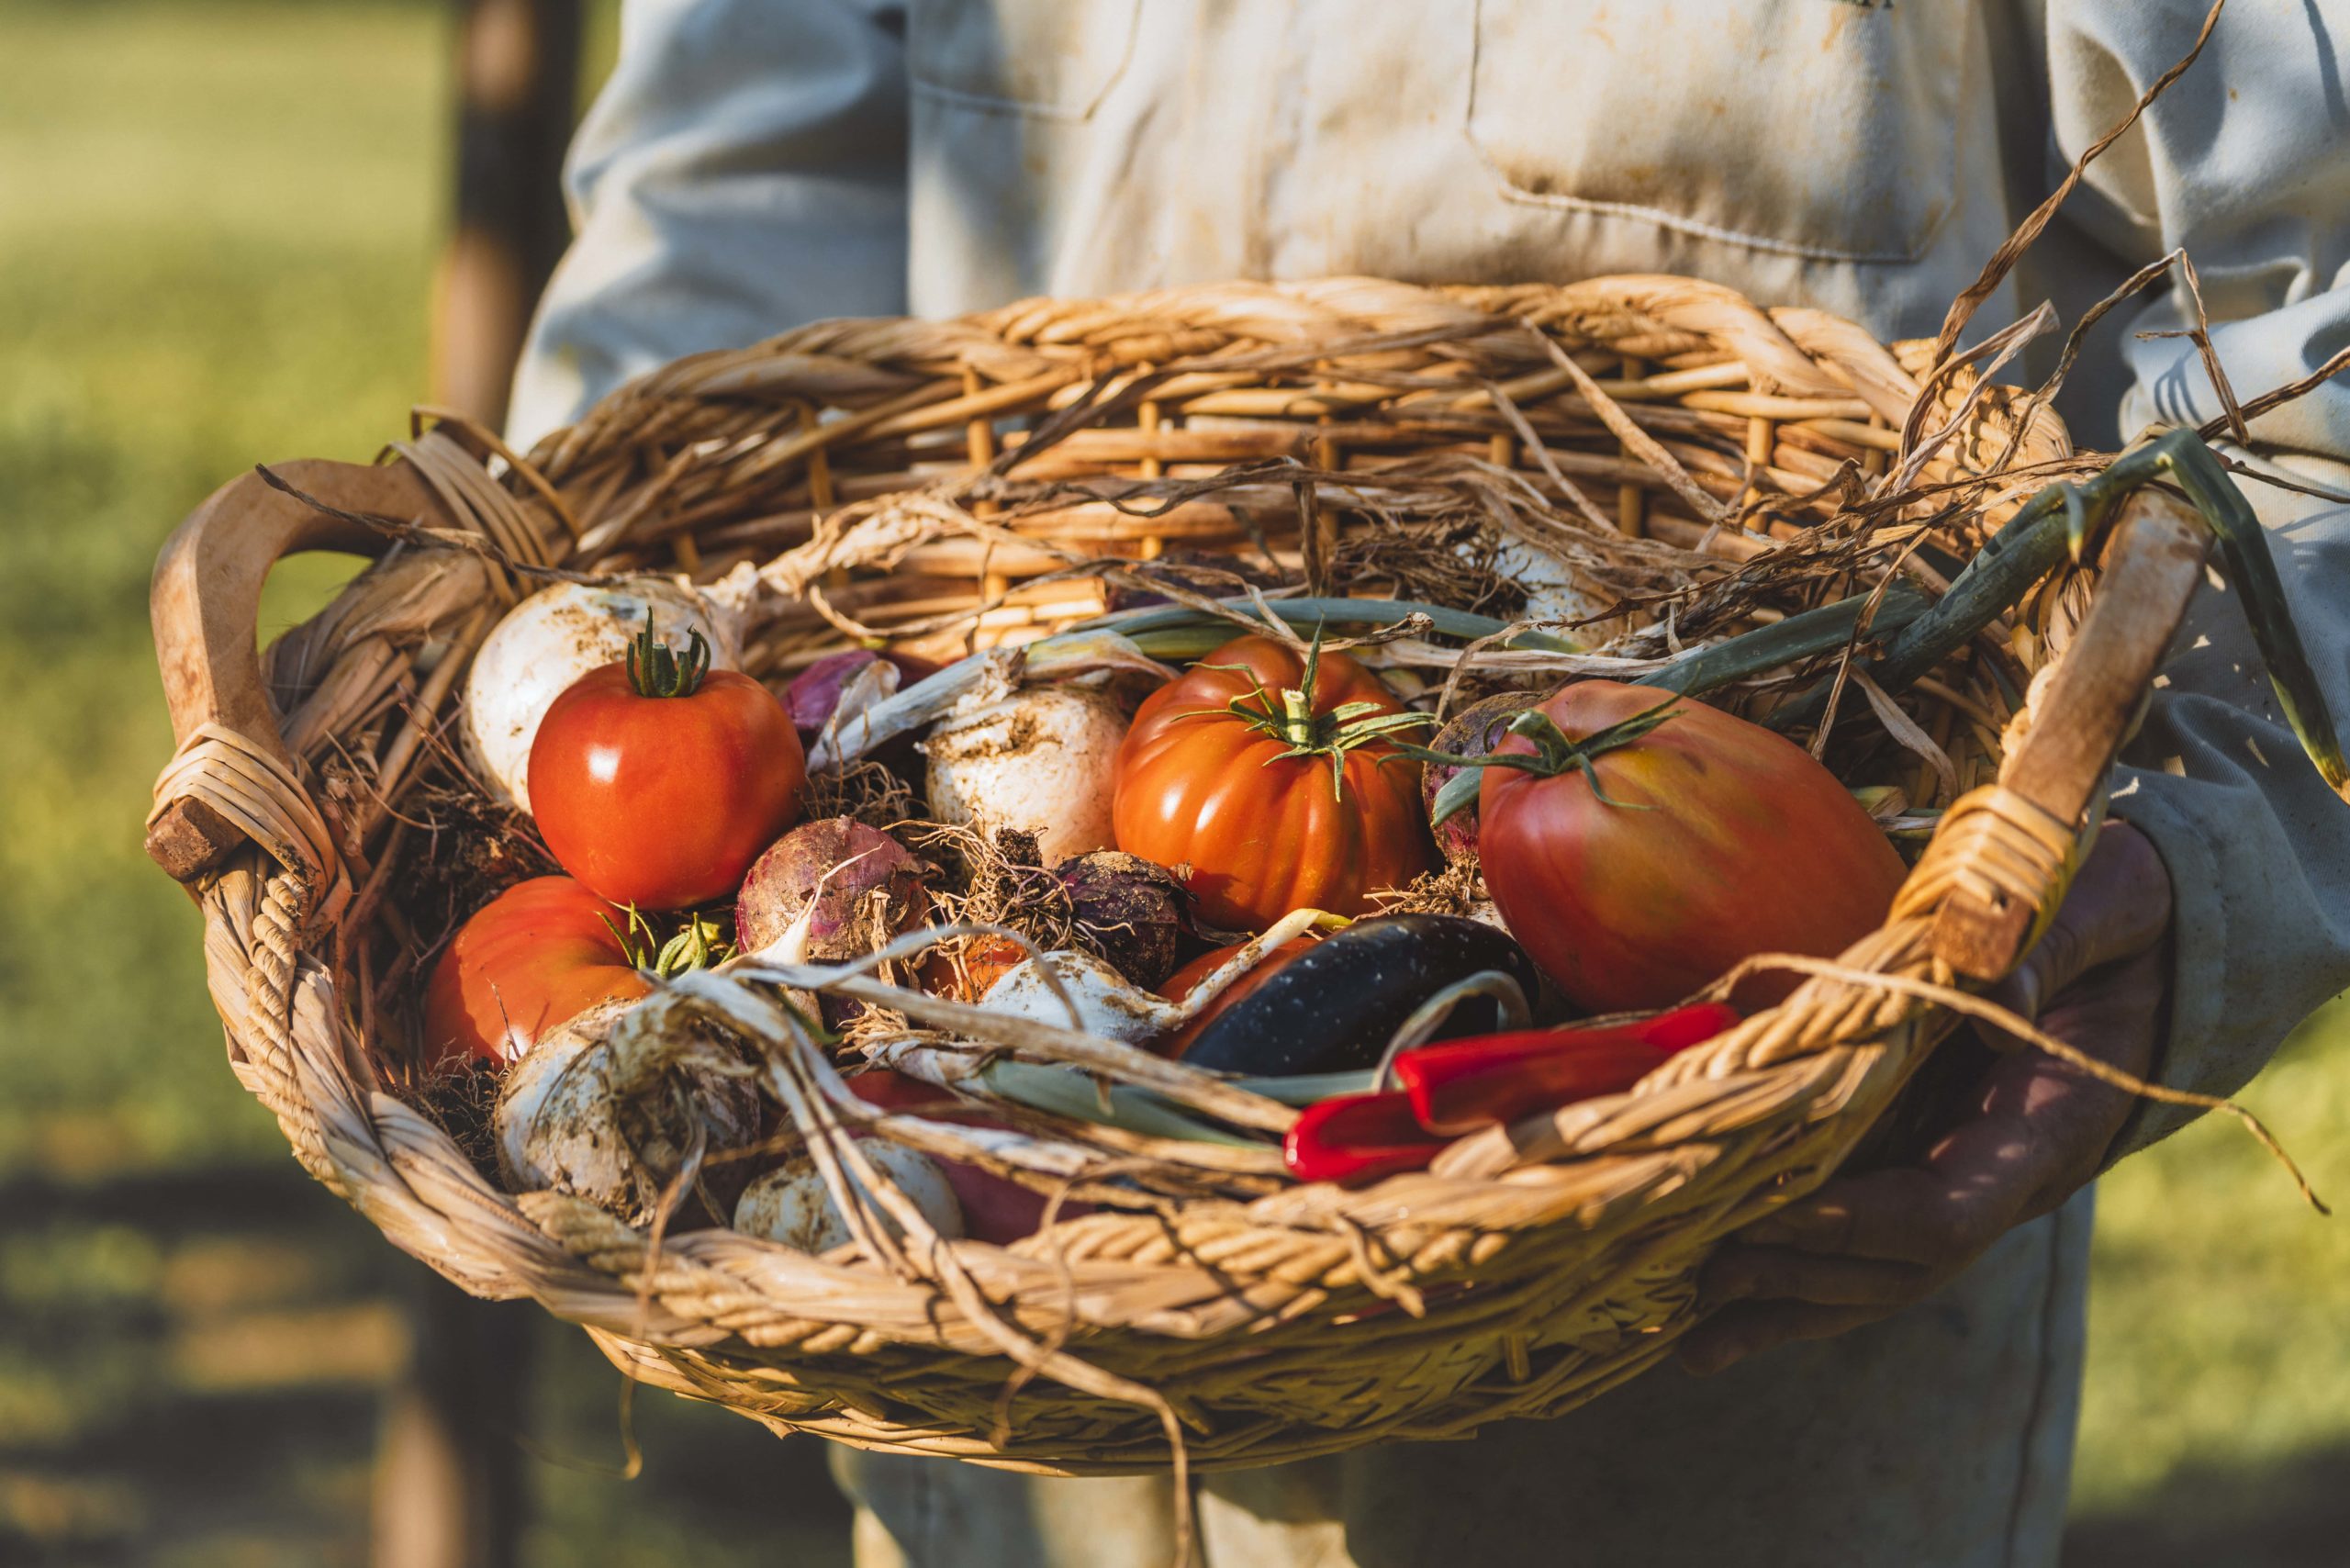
(968, 976)
(664, 800)
(1227, 770)
(530, 960)
(1185, 980)
(1723, 840)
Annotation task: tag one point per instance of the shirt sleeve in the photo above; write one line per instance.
(742, 172)
(2245, 162)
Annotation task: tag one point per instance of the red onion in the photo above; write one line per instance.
(828, 891)
(1128, 909)
(1472, 732)
(814, 695)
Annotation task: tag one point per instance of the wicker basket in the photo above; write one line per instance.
(873, 473)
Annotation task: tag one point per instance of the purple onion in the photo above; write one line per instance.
(847, 887)
(1128, 909)
(1472, 732)
(814, 695)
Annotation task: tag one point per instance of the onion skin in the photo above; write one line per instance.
(1472, 732)
(814, 695)
(1129, 910)
(608, 1114)
(819, 883)
(1106, 1004)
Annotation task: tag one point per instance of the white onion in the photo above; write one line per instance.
(553, 638)
(606, 1111)
(1038, 761)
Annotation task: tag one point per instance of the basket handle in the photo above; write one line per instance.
(2151, 566)
(205, 603)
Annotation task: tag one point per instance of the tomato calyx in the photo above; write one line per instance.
(1554, 752)
(697, 947)
(1288, 716)
(654, 670)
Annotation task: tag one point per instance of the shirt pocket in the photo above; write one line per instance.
(1037, 58)
(1819, 127)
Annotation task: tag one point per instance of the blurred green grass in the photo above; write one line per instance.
(217, 222)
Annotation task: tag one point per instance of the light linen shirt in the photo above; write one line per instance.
(753, 164)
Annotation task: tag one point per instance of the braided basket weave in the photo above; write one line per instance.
(869, 475)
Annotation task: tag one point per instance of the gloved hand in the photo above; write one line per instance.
(1864, 1247)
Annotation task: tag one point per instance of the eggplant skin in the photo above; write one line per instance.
(1335, 1006)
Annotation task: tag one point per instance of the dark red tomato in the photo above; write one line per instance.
(657, 781)
(1233, 770)
(1716, 839)
(1183, 981)
(529, 961)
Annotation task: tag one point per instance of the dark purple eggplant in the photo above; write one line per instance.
(1335, 1006)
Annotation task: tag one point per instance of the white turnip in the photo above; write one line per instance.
(1038, 761)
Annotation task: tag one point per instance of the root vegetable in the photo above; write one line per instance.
(610, 1106)
(551, 639)
(1472, 732)
(1129, 910)
(1038, 761)
(826, 893)
(1106, 1004)
(841, 687)
(793, 1205)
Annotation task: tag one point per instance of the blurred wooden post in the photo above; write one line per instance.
(449, 1487)
(517, 78)
(449, 1479)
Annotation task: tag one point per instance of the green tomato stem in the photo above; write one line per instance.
(655, 671)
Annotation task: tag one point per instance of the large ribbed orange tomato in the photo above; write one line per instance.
(1642, 866)
(1269, 774)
